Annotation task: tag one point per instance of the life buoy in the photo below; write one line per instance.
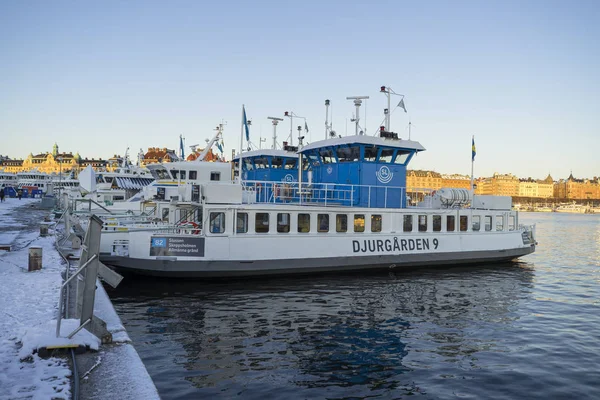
(190, 224)
(276, 190)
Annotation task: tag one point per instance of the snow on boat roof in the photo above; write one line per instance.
(266, 152)
(364, 139)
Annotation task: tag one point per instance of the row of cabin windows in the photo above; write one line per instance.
(189, 175)
(270, 162)
(262, 222)
(353, 153)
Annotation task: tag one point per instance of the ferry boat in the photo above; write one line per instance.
(34, 183)
(353, 215)
(571, 208)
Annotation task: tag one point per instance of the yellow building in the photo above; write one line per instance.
(159, 155)
(420, 181)
(456, 181)
(577, 189)
(499, 184)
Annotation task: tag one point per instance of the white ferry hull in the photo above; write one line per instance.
(224, 269)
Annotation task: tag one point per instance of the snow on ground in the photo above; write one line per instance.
(28, 299)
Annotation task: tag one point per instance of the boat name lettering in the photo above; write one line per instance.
(393, 245)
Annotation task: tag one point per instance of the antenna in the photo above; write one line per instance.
(327, 124)
(386, 111)
(275, 121)
(357, 102)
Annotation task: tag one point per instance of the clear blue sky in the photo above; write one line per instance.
(98, 77)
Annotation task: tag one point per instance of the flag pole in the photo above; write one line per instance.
(241, 145)
(472, 163)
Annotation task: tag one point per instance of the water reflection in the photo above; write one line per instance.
(369, 332)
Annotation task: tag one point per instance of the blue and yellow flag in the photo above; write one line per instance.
(473, 152)
(245, 123)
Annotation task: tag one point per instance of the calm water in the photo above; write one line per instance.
(529, 330)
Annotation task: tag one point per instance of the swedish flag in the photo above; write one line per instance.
(473, 152)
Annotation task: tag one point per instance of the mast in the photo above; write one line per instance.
(357, 102)
(275, 121)
(204, 153)
(327, 119)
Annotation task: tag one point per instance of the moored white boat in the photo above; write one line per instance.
(353, 215)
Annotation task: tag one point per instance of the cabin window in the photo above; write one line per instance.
(261, 223)
(375, 223)
(386, 155)
(371, 153)
(276, 162)
(249, 165)
(182, 174)
(327, 156)
(499, 222)
(476, 222)
(437, 223)
(193, 175)
(217, 222)
(422, 223)
(108, 179)
(450, 221)
(290, 163)
(322, 222)
(261, 162)
(464, 223)
(303, 223)
(241, 224)
(215, 176)
(359, 222)
(407, 223)
(341, 223)
(118, 197)
(348, 154)
(283, 222)
(174, 174)
(401, 157)
(488, 222)
(511, 223)
(314, 159)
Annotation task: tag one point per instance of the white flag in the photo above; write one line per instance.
(401, 104)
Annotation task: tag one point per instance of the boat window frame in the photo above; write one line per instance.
(391, 157)
(488, 223)
(259, 221)
(322, 223)
(357, 218)
(512, 222)
(288, 165)
(499, 223)
(368, 148)
(407, 223)
(463, 223)
(476, 223)
(350, 153)
(193, 175)
(436, 223)
(450, 223)
(244, 220)
(303, 224)
(401, 157)
(422, 227)
(376, 223)
(212, 222)
(216, 174)
(341, 223)
(281, 226)
(277, 162)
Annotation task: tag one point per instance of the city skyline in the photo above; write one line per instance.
(98, 78)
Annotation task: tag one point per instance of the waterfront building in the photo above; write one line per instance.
(456, 181)
(577, 189)
(418, 181)
(499, 185)
(210, 156)
(156, 155)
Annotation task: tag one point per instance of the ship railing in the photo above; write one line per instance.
(324, 194)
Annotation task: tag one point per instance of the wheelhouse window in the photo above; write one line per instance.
(341, 223)
(407, 223)
(241, 224)
(217, 222)
(450, 222)
(276, 162)
(499, 222)
(193, 175)
(215, 176)
(488, 222)
(401, 157)
(322, 222)
(511, 223)
(437, 223)
(464, 223)
(261, 223)
(422, 223)
(371, 153)
(348, 154)
(359, 222)
(476, 222)
(261, 163)
(283, 222)
(375, 223)
(249, 164)
(175, 174)
(386, 155)
(303, 223)
(290, 163)
(327, 156)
